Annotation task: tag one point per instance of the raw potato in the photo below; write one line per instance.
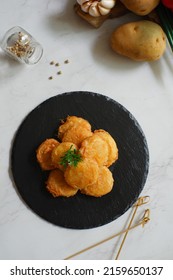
(140, 7)
(141, 41)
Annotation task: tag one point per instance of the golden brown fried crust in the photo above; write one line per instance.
(91, 175)
(43, 153)
(94, 147)
(103, 185)
(70, 122)
(112, 146)
(59, 151)
(57, 185)
(83, 175)
(76, 135)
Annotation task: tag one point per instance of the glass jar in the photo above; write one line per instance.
(20, 45)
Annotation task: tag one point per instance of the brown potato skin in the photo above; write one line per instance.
(102, 186)
(83, 175)
(43, 153)
(141, 40)
(57, 185)
(140, 7)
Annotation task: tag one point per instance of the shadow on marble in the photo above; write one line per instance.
(103, 54)
(67, 20)
(156, 68)
(9, 67)
(169, 62)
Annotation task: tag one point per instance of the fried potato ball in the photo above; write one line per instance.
(83, 175)
(59, 151)
(79, 161)
(112, 146)
(94, 147)
(102, 186)
(76, 135)
(70, 122)
(43, 153)
(57, 185)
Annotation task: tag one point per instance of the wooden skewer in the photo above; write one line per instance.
(140, 201)
(144, 220)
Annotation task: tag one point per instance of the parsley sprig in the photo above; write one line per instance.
(71, 157)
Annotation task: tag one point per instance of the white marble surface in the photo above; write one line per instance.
(145, 89)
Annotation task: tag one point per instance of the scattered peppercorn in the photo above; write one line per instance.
(66, 61)
(21, 46)
(57, 64)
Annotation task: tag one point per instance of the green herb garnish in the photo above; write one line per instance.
(72, 157)
(166, 19)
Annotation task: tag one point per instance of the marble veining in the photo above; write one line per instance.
(144, 89)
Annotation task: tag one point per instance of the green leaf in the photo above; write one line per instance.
(166, 19)
(71, 157)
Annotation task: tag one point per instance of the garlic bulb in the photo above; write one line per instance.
(96, 8)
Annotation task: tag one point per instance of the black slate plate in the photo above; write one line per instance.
(130, 171)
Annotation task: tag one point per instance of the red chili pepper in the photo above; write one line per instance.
(168, 4)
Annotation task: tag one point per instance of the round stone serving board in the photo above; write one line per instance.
(129, 172)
